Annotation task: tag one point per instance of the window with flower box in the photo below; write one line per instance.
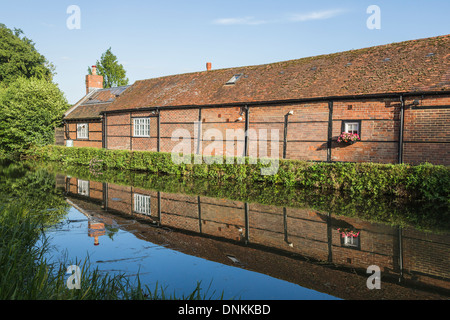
(350, 239)
(351, 132)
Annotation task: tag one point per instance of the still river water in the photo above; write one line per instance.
(176, 234)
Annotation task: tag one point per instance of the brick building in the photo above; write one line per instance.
(83, 124)
(396, 97)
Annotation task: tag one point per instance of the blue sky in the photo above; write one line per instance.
(158, 38)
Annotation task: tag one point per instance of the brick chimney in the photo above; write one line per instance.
(93, 81)
(208, 66)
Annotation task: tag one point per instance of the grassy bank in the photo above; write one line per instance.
(425, 181)
(29, 205)
(27, 275)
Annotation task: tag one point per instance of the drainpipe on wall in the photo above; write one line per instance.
(158, 144)
(131, 131)
(103, 131)
(247, 112)
(105, 123)
(330, 130)
(400, 138)
(66, 130)
(286, 122)
(199, 132)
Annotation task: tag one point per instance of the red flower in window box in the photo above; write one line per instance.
(348, 233)
(348, 138)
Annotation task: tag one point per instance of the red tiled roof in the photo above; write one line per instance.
(398, 67)
(91, 111)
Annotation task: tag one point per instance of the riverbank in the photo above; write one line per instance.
(428, 182)
(27, 275)
(30, 205)
(34, 183)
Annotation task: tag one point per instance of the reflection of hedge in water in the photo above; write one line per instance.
(423, 215)
(32, 190)
(423, 181)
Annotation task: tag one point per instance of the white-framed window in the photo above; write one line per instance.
(141, 204)
(351, 127)
(83, 187)
(141, 127)
(82, 130)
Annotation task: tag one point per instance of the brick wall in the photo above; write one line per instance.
(94, 139)
(426, 131)
(379, 131)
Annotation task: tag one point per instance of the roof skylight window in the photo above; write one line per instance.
(234, 78)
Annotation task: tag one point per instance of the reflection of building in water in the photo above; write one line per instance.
(83, 187)
(239, 229)
(142, 204)
(96, 229)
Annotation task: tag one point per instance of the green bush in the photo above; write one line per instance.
(29, 112)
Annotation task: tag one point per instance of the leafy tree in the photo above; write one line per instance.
(114, 74)
(29, 111)
(19, 58)
(31, 105)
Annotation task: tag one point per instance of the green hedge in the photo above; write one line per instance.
(425, 181)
